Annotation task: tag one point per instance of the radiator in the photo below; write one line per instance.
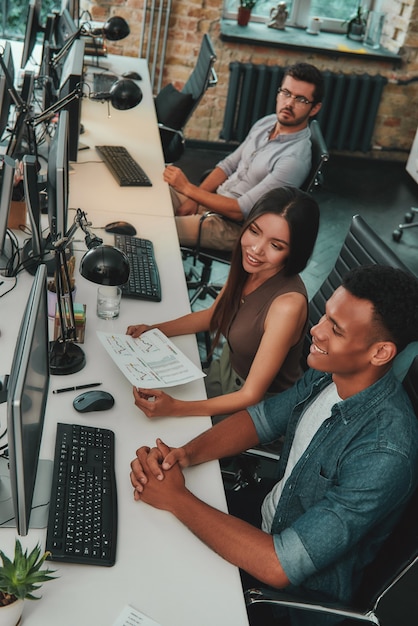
(347, 117)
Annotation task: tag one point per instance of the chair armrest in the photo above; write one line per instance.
(282, 598)
(168, 129)
(213, 80)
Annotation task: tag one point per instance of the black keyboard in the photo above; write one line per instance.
(82, 523)
(144, 278)
(123, 166)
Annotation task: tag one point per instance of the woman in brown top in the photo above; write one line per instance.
(262, 312)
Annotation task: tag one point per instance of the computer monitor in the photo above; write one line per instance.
(25, 484)
(5, 97)
(22, 136)
(33, 27)
(65, 27)
(71, 79)
(34, 250)
(57, 178)
(73, 7)
(5, 200)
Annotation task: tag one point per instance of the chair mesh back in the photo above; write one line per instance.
(199, 79)
(361, 247)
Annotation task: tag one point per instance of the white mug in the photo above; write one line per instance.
(314, 25)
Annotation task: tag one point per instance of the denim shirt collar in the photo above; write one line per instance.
(362, 401)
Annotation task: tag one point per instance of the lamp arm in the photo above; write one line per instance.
(57, 106)
(17, 100)
(68, 331)
(63, 51)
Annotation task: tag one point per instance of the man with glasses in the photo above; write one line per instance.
(275, 153)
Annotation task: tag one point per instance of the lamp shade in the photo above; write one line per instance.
(115, 28)
(125, 94)
(105, 265)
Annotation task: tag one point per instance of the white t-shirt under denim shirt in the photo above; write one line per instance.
(309, 423)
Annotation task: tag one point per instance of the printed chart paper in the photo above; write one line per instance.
(132, 617)
(151, 361)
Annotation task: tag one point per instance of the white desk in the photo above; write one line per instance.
(161, 568)
(137, 130)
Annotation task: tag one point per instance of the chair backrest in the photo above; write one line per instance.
(320, 156)
(203, 75)
(174, 108)
(397, 558)
(362, 246)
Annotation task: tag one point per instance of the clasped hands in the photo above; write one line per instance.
(156, 475)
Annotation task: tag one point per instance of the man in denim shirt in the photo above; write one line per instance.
(350, 458)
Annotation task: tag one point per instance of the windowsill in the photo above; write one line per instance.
(327, 43)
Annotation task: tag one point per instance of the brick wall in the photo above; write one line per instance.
(397, 116)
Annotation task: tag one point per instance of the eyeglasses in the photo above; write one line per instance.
(298, 99)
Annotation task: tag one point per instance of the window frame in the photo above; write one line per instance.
(299, 15)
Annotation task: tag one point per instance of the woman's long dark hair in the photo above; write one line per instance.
(301, 212)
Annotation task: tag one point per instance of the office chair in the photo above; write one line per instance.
(361, 246)
(408, 223)
(387, 593)
(199, 282)
(174, 108)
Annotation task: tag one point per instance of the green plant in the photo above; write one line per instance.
(20, 577)
(248, 4)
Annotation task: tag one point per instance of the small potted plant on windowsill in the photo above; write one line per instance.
(18, 580)
(244, 11)
(356, 26)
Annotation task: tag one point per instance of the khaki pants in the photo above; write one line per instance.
(217, 233)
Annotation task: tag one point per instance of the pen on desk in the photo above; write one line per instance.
(89, 386)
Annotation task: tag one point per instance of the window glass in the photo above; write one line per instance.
(13, 16)
(340, 10)
(334, 9)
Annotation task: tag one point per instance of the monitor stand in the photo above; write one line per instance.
(31, 264)
(41, 496)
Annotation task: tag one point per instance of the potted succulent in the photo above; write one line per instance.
(18, 580)
(244, 11)
(356, 26)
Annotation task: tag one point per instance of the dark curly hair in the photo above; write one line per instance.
(309, 74)
(394, 295)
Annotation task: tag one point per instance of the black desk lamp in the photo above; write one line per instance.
(101, 264)
(114, 29)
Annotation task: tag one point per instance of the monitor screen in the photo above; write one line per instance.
(5, 200)
(22, 137)
(65, 27)
(28, 479)
(72, 78)
(5, 97)
(34, 251)
(33, 27)
(57, 178)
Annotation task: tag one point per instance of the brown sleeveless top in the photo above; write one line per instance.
(247, 328)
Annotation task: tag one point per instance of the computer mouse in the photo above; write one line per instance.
(132, 75)
(121, 228)
(93, 401)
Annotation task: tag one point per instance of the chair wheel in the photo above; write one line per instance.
(397, 235)
(409, 217)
